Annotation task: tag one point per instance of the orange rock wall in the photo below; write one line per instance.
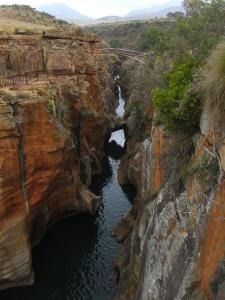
(50, 131)
(213, 244)
(174, 246)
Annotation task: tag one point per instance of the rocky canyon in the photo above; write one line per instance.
(173, 236)
(52, 132)
(156, 191)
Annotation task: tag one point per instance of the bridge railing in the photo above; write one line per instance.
(25, 77)
(133, 54)
(121, 50)
(19, 78)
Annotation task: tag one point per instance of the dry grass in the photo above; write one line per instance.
(9, 27)
(25, 18)
(214, 81)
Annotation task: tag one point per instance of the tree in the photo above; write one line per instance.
(193, 6)
(175, 14)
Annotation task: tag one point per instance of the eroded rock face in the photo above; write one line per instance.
(173, 236)
(51, 140)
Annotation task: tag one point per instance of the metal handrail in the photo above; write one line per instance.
(25, 77)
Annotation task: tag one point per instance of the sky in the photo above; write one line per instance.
(95, 8)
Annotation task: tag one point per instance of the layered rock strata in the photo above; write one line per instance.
(173, 236)
(52, 133)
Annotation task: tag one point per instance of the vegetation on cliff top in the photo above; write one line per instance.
(178, 105)
(178, 48)
(189, 43)
(178, 72)
(127, 35)
(23, 17)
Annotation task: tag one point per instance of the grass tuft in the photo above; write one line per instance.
(214, 81)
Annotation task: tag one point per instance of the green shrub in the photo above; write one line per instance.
(157, 38)
(179, 105)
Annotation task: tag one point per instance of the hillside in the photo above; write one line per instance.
(26, 18)
(119, 34)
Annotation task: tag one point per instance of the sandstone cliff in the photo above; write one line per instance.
(52, 132)
(173, 236)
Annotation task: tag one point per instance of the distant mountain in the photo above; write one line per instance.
(64, 12)
(147, 10)
(149, 13)
(156, 10)
(108, 19)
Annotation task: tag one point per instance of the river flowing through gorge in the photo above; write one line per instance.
(75, 259)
